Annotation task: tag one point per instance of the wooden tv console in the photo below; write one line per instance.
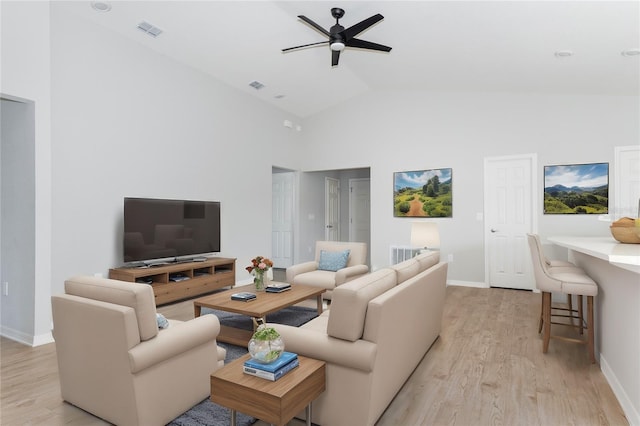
(176, 281)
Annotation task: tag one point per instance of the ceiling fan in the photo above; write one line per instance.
(339, 37)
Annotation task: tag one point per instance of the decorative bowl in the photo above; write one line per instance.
(626, 230)
(625, 235)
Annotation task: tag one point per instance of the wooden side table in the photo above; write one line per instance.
(273, 402)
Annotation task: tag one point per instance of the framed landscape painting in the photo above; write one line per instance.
(576, 189)
(424, 193)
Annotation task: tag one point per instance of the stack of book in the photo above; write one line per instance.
(272, 371)
(278, 287)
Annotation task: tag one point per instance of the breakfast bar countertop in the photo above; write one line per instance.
(626, 256)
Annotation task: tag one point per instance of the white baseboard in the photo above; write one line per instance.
(43, 339)
(16, 335)
(625, 402)
(467, 284)
(26, 339)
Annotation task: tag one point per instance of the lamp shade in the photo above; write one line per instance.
(425, 235)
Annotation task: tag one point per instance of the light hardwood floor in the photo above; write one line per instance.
(486, 368)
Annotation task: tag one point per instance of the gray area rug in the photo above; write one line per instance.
(206, 413)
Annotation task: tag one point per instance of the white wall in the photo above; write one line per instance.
(26, 75)
(17, 213)
(127, 121)
(400, 131)
(130, 122)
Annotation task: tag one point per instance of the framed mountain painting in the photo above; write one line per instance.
(576, 189)
(423, 193)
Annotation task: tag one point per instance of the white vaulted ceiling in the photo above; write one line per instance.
(486, 46)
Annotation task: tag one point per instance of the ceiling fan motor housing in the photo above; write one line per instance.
(336, 40)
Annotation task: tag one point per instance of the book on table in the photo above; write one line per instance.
(269, 375)
(282, 360)
(244, 296)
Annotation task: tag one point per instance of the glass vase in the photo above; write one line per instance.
(265, 351)
(259, 281)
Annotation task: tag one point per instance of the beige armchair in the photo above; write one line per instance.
(115, 363)
(320, 273)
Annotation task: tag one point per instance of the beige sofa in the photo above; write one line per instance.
(115, 363)
(375, 333)
(309, 273)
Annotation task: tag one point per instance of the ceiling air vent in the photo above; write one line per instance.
(152, 30)
(256, 85)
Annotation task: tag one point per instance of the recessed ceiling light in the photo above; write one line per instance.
(563, 53)
(101, 6)
(631, 52)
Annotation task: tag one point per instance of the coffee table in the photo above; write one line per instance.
(265, 303)
(273, 402)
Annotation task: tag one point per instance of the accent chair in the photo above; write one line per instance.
(116, 363)
(335, 263)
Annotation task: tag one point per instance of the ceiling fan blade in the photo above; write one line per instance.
(305, 45)
(335, 55)
(363, 44)
(314, 25)
(356, 29)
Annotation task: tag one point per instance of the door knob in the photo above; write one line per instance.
(494, 230)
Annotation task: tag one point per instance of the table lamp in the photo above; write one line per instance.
(425, 235)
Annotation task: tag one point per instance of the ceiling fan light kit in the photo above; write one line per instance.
(339, 37)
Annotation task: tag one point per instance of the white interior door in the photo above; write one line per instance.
(509, 200)
(282, 219)
(360, 210)
(627, 182)
(331, 209)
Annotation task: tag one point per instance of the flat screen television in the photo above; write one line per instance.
(169, 229)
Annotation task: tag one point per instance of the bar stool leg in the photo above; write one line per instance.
(581, 314)
(541, 312)
(570, 306)
(590, 330)
(546, 309)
